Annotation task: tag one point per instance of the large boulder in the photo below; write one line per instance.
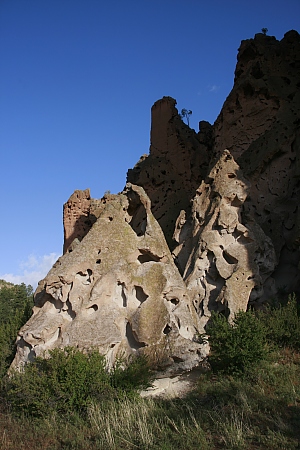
(117, 290)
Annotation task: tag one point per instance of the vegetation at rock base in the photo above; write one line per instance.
(249, 400)
(16, 302)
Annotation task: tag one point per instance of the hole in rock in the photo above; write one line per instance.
(138, 212)
(132, 341)
(231, 175)
(176, 359)
(94, 307)
(229, 259)
(98, 261)
(236, 202)
(167, 329)
(86, 276)
(140, 294)
(175, 301)
(120, 292)
(147, 256)
(70, 311)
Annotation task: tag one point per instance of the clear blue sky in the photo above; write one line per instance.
(77, 81)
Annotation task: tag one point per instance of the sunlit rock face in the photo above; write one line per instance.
(225, 258)
(118, 290)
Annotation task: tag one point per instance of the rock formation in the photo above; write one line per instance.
(118, 290)
(207, 221)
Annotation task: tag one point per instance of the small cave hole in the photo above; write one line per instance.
(138, 214)
(70, 311)
(236, 202)
(98, 261)
(167, 329)
(147, 256)
(231, 175)
(123, 294)
(94, 307)
(140, 294)
(132, 341)
(175, 301)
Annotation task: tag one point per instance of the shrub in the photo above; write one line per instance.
(68, 380)
(238, 347)
(282, 323)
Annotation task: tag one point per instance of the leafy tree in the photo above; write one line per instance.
(186, 113)
(264, 30)
(16, 302)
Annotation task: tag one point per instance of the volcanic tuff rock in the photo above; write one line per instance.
(208, 221)
(118, 290)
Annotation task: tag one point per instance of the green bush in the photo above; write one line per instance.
(282, 323)
(68, 381)
(238, 347)
(16, 302)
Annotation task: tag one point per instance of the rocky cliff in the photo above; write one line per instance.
(208, 220)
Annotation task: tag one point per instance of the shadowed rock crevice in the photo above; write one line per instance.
(132, 340)
(140, 295)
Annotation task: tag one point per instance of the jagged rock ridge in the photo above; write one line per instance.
(208, 221)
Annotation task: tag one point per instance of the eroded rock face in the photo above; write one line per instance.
(80, 212)
(118, 290)
(260, 125)
(225, 258)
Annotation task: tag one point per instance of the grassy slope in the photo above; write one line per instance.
(260, 411)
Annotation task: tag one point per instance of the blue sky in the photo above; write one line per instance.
(77, 82)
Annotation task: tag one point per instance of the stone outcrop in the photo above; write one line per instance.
(225, 258)
(80, 212)
(177, 162)
(208, 221)
(118, 290)
(260, 125)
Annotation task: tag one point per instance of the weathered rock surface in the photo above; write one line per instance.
(224, 257)
(260, 125)
(175, 167)
(208, 221)
(118, 290)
